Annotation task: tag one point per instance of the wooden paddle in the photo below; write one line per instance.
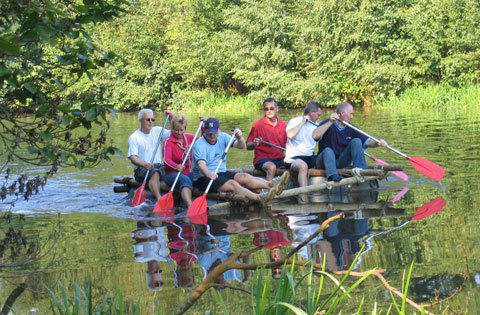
(166, 201)
(199, 205)
(140, 194)
(422, 165)
(399, 174)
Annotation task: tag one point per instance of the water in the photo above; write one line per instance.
(91, 239)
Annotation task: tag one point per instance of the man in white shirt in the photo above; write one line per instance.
(141, 146)
(299, 154)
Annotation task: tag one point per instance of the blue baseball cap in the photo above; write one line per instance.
(211, 125)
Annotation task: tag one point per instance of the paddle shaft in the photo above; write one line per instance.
(220, 162)
(187, 155)
(272, 145)
(373, 138)
(156, 147)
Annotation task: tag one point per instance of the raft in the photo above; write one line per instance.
(319, 188)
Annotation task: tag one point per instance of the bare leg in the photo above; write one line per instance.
(154, 185)
(302, 168)
(252, 182)
(270, 169)
(186, 194)
(235, 187)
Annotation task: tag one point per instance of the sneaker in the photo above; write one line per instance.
(266, 195)
(335, 178)
(281, 182)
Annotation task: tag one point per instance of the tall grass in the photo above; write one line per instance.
(439, 96)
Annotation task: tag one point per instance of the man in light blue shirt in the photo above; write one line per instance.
(207, 153)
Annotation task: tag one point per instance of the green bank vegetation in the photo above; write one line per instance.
(185, 53)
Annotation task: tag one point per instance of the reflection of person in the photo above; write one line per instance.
(141, 145)
(209, 149)
(339, 145)
(299, 154)
(302, 227)
(343, 236)
(182, 245)
(269, 128)
(151, 248)
(272, 240)
(214, 251)
(175, 150)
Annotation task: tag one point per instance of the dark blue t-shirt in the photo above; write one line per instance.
(338, 138)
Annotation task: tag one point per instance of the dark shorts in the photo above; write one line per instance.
(203, 181)
(278, 163)
(310, 160)
(140, 172)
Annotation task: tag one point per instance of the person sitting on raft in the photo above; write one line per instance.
(175, 150)
(269, 128)
(207, 153)
(339, 145)
(299, 154)
(141, 145)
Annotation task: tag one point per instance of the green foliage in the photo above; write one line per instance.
(44, 47)
(172, 53)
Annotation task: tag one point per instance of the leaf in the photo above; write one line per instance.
(46, 136)
(296, 310)
(33, 150)
(8, 47)
(91, 114)
(32, 88)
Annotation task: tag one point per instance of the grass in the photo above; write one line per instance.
(439, 96)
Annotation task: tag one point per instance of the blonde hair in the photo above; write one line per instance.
(179, 120)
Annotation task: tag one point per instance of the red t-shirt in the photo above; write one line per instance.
(274, 134)
(174, 153)
(270, 239)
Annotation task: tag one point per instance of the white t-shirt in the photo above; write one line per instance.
(303, 143)
(143, 145)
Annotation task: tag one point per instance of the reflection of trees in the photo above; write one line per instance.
(19, 253)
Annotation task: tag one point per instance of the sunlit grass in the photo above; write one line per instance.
(439, 96)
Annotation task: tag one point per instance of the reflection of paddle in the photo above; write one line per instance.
(140, 195)
(166, 201)
(399, 195)
(422, 165)
(199, 205)
(428, 209)
(398, 174)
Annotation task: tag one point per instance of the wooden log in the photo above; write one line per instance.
(318, 187)
(375, 171)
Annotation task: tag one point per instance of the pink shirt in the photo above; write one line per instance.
(174, 153)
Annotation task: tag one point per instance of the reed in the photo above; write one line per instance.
(435, 96)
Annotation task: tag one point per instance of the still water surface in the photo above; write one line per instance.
(92, 238)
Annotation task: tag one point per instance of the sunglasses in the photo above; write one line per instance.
(149, 119)
(266, 109)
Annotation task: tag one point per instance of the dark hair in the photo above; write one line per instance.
(310, 107)
(342, 106)
(270, 100)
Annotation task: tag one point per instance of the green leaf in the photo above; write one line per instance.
(32, 88)
(46, 136)
(33, 150)
(8, 47)
(91, 114)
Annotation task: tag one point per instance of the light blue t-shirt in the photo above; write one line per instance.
(210, 153)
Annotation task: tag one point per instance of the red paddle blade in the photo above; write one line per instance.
(164, 203)
(427, 168)
(431, 207)
(399, 174)
(198, 206)
(139, 196)
(199, 219)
